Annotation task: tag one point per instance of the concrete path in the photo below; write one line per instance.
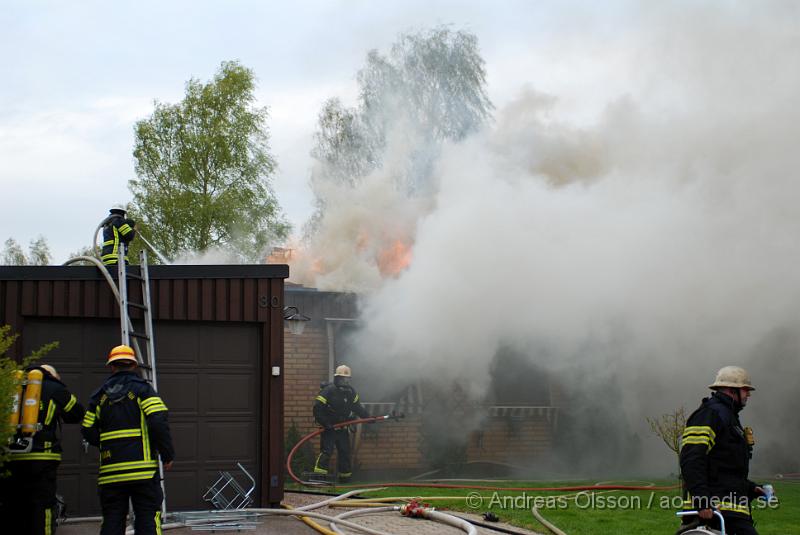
(389, 522)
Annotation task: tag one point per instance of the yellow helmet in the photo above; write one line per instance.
(732, 377)
(121, 353)
(51, 370)
(342, 371)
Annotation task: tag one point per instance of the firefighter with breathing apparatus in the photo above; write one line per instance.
(127, 421)
(118, 231)
(28, 494)
(715, 457)
(335, 403)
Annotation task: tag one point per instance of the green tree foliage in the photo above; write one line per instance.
(669, 428)
(38, 253)
(202, 169)
(13, 255)
(8, 382)
(430, 87)
(83, 251)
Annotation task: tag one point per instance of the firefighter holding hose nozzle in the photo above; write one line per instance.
(335, 404)
(715, 457)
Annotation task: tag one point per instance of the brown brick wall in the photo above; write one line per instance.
(396, 445)
(390, 445)
(507, 440)
(305, 367)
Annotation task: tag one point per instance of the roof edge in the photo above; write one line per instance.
(216, 271)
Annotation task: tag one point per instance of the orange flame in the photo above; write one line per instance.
(394, 259)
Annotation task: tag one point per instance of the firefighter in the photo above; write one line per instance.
(335, 404)
(118, 231)
(28, 498)
(715, 457)
(127, 421)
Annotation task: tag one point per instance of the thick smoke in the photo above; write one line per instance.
(631, 255)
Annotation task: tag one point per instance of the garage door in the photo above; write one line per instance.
(208, 375)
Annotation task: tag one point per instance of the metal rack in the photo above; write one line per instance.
(227, 494)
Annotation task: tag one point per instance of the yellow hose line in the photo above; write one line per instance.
(310, 523)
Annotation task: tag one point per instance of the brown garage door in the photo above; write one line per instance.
(208, 375)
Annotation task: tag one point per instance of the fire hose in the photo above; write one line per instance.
(380, 419)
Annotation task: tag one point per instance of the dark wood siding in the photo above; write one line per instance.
(218, 333)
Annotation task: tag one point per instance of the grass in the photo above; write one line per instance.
(599, 512)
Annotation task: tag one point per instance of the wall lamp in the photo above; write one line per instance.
(295, 320)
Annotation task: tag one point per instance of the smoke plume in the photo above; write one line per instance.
(631, 255)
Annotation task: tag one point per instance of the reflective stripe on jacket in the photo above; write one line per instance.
(715, 458)
(127, 420)
(118, 231)
(55, 405)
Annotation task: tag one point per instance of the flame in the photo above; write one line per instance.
(394, 259)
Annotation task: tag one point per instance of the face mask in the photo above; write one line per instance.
(341, 381)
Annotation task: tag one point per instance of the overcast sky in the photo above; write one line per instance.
(77, 75)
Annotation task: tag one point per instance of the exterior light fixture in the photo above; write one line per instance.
(295, 320)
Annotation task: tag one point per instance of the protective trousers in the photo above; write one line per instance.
(340, 440)
(146, 497)
(28, 498)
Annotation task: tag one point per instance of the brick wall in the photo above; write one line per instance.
(305, 367)
(390, 445)
(510, 440)
(396, 445)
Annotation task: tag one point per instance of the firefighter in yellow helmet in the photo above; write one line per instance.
(127, 421)
(715, 457)
(28, 495)
(335, 404)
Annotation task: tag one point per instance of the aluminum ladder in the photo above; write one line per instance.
(131, 337)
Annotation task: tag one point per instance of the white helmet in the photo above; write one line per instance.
(118, 208)
(51, 370)
(342, 371)
(732, 377)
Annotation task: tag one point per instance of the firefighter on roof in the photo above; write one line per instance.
(715, 456)
(335, 404)
(28, 496)
(128, 422)
(117, 232)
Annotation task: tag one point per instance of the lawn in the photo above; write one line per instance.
(598, 512)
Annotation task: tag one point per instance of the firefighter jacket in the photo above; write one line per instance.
(335, 404)
(55, 405)
(128, 422)
(117, 231)
(715, 458)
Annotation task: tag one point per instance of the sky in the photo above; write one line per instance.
(77, 76)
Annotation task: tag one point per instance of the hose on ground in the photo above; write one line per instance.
(545, 523)
(310, 523)
(359, 512)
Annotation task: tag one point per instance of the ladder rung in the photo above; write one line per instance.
(132, 275)
(139, 335)
(137, 305)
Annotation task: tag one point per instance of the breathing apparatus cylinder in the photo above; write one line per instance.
(16, 400)
(30, 403)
